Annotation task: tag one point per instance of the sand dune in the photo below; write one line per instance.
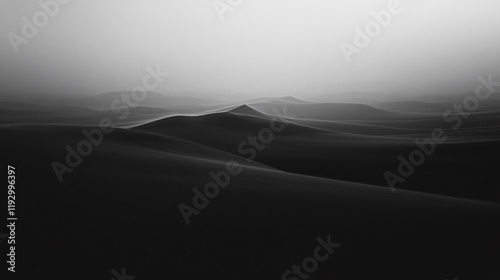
(328, 111)
(321, 175)
(121, 207)
(353, 151)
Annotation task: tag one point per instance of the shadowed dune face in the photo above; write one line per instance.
(128, 191)
(356, 150)
(359, 146)
(329, 111)
(321, 174)
(247, 111)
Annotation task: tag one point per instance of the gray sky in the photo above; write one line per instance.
(265, 47)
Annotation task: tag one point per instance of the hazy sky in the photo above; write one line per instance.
(268, 47)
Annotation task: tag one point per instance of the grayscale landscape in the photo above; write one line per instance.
(240, 140)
